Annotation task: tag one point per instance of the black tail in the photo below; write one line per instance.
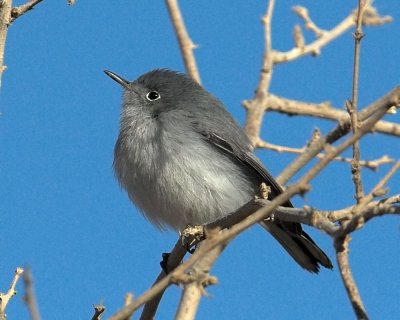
(298, 244)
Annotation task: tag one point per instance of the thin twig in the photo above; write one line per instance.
(386, 102)
(194, 290)
(30, 296)
(185, 43)
(302, 12)
(172, 261)
(352, 107)
(8, 16)
(255, 112)
(5, 15)
(306, 215)
(342, 242)
(254, 109)
(266, 71)
(342, 255)
(6, 297)
(370, 164)
(364, 216)
(190, 300)
(327, 36)
(322, 110)
(22, 9)
(377, 191)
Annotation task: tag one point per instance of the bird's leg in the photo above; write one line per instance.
(164, 262)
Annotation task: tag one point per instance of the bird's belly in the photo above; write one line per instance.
(190, 189)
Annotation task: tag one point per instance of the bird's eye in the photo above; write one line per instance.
(153, 95)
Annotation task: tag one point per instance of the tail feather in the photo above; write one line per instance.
(299, 245)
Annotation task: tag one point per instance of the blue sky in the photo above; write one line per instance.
(63, 213)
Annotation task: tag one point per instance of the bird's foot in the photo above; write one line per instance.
(191, 236)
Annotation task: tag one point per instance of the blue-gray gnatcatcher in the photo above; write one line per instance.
(184, 160)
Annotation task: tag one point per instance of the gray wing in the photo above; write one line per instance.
(289, 234)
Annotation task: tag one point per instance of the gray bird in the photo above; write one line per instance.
(184, 160)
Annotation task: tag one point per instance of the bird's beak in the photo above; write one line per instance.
(117, 78)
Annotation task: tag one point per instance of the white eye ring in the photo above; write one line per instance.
(153, 95)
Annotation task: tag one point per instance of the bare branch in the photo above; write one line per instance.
(386, 102)
(255, 112)
(322, 110)
(6, 297)
(19, 11)
(376, 191)
(369, 212)
(309, 216)
(190, 300)
(271, 57)
(172, 261)
(30, 296)
(194, 290)
(267, 65)
(5, 15)
(370, 164)
(342, 242)
(302, 12)
(342, 255)
(325, 37)
(352, 107)
(185, 43)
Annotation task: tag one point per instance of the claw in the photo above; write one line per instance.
(191, 236)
